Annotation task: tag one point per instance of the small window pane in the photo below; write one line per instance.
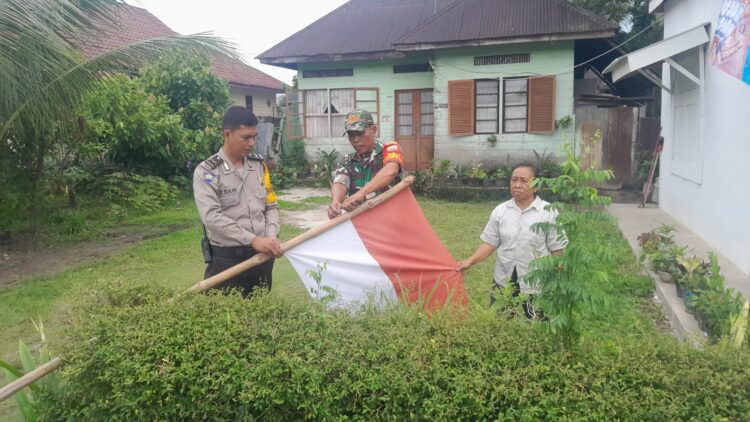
(489, 113)
(515, 112)
(404, 98)
(515, 125)
(428, 130)
(487, 127)
(428, 119)
(515, 85)
(516, 99)
(487, 87)
(317, 127)
(405, 130)
(315, 102)
(426, 97)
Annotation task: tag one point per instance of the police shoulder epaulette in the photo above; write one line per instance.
(213, 162)
(256, 157)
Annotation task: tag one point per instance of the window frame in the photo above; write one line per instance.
(504, 119)
(496, 106)
(331, 116)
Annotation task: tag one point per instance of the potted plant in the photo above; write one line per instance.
(492, 140)
(476, 175)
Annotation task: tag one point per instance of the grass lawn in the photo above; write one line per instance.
(174, 261)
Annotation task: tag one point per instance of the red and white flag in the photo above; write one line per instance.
(387, 253)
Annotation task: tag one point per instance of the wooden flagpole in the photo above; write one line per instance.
(40, 372)
(28, 379)
(292, 243)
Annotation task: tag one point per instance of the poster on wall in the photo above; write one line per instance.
(730, 47)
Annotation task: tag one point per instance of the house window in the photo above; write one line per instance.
(249, 102)
(325, 109)
(327, 73)
(486, 101)
(528, 105)
(515, 105)
(412, 68)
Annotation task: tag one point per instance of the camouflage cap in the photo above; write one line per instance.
(357, 121)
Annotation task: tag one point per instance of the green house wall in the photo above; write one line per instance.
(545, 59)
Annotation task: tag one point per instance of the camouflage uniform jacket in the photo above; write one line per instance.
(357, 170)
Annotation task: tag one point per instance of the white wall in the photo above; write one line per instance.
(710, 193)
(260, 100)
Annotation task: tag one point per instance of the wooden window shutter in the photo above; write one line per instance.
(542, 104)
(461, 108)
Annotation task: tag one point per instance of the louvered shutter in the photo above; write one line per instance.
(461, 108)
(542, 104)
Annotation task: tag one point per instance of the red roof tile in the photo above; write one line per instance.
(136, 25)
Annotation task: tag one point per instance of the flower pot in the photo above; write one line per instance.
(689, 304)
(665, 276)
(474, 182)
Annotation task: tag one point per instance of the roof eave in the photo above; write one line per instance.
(502, 41)
(292, 61)
(255, 87)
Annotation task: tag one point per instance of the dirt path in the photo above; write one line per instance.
(28, 256)
(24, 257)
(304, 219)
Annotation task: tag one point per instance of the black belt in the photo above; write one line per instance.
(238, 252)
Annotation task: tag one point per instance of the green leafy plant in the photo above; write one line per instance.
(567, 283)
(492, 140)
(323, 294)
(293, 155)
(327, 164)
(563, 122)
(27, 403)
(546, 165)
(441, 169)
(475, 173)
(143, 193)
(738, 328)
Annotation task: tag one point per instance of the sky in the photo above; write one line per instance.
(254, 28)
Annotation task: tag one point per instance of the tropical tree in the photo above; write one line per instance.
(43, 78)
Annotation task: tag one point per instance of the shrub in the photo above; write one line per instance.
(143, 193)
(222, 358)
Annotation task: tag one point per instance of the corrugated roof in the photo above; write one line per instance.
(137, 25)
(481, 20)
(359, 26)
(376, 26)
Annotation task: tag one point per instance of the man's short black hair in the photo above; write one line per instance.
(525, 164)
(237, 116)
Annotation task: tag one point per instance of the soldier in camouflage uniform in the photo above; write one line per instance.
(237, 205)
(372, 169)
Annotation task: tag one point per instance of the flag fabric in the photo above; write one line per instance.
(385, 254)
(730, 48)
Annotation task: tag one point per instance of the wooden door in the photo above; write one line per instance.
(415, 128)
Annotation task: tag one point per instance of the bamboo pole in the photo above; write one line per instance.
(49, 367)
(28, 379)
(292, 243)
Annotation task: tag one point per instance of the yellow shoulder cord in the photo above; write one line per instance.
(271, 196)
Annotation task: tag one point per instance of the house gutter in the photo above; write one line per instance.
(505, 41)
(291, 62)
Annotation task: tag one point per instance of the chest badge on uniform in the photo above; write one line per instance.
(209, 177)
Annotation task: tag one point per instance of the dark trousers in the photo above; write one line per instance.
(223, 258)
(528, 308)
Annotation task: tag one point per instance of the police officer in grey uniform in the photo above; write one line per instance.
(237, 205)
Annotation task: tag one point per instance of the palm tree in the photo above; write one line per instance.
(43, 76)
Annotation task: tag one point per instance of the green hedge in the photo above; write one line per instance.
(221, 358)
